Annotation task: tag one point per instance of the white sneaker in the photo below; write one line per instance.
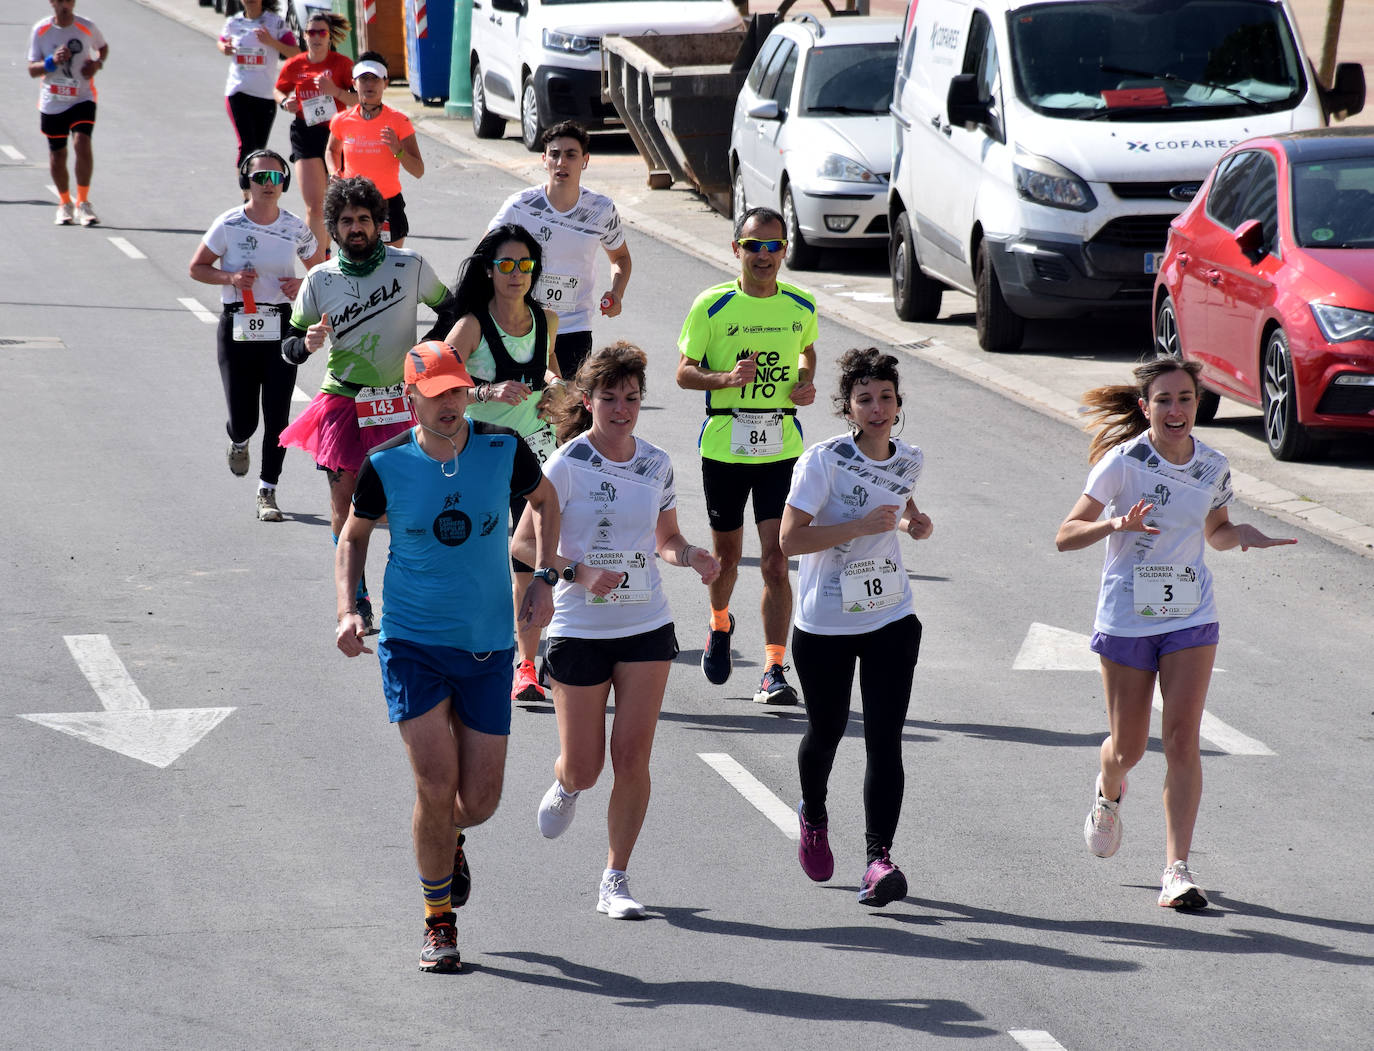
(556, 811)
(615, 901)
(1102, 830)
(1179, 890)
(65, 216)
(85, 214)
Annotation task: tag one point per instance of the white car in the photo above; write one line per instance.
(812, 136)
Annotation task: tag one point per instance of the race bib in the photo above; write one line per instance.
(249, 54)
(1167, 591)
(558, 292)
(317, 110)
(634, 582)
(379, 405)
(870, 584)
(62, 87)
(542, 443)
(756, 433)
(257, 328)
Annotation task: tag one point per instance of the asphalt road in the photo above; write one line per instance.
(258, 890)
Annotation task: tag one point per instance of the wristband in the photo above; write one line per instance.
(399, 154)
(49, 64)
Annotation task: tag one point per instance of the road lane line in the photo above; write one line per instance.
(299, 395)
(754, 791)
(127, 248)
(199, 311)
(12, 153)
(106, 673)
(1035, 1040)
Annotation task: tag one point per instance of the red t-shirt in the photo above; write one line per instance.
(302, 76)
(364, 153)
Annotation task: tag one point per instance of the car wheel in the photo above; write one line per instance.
(1167, 345)
(531, 128)
(915, 297)
(1288, 439)
(800, 255)
(738, 204)
(999, 330)
(485, 125)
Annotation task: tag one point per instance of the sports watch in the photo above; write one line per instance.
(570, 571)
(548, 575)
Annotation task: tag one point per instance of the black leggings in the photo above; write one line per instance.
(252, 118)
(251, 372)
(825, 668)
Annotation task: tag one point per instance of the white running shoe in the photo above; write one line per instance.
(556, 811)
(66, 215)
(85, 214)
(615, 901)
(1179, 890)
(1102, 830)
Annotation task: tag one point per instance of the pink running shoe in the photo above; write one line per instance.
(883, 883)
(814, 849)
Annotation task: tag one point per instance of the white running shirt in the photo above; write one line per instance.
(64, 86)
(610, 516)
(253, 65)
(571, 241)
(849, 589)
(1183, 495)
(271, 250)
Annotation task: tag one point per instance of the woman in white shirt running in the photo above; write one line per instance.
(1165, 494)
(612, 627)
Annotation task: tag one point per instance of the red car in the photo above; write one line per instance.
(1268, 281)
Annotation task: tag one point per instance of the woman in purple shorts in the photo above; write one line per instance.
(1166, 495)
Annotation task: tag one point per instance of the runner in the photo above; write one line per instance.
(376, 141)
(257, 245)
(611, 625)
(1165, 494)
(570, 222)
(445, 664)
(67, 51)
(315, 85)
(254, 39)
(505, 337)
(849, 496)
(750, 345)
(364, 302)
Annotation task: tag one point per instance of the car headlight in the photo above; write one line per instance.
(1047, 182)
(1341, 324)
(841, 169)
(556, 40)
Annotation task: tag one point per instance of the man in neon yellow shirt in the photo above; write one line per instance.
(750, 345)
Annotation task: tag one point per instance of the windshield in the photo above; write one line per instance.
(849, 78)
(1333, 203)
(1152, 59)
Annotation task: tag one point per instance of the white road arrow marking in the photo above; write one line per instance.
(1047, 648)
(128, 725)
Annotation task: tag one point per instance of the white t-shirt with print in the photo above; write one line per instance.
(271, 250)
(64, 86)
(253, 65)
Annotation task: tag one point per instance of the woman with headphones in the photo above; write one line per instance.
(257, 245)
(254, 40)
(850, 496)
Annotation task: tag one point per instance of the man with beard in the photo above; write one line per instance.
(363, 303)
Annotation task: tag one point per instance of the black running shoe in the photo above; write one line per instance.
(773, 688)
(365, 611)
(440, 952)
(462, 876)
(715, 658)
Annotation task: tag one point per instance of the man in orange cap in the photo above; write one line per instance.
(448, 634)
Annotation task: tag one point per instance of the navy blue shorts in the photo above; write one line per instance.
(417, 677)
(1144, 652)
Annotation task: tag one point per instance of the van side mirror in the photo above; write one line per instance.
(965, 105)
(1249, 238)
(514, 7)
(1346, 96)
(764, 109)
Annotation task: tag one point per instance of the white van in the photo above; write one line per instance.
(539, 61)
(1042, 146)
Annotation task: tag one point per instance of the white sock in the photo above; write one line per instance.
(566, 794)
(269, 486)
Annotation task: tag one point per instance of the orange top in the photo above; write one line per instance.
(364, 152)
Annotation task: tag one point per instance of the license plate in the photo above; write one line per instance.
(1153, 261)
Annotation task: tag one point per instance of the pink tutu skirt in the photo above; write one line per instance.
(328, 430)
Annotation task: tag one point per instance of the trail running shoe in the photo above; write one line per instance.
(814, 849)
(85, 214)
(1179, 890)
(267, 506)
(66, 215)
(439, 954)
(883, 883)
(614, 899)
(556, 811)
(715, 658)
(773, 688)
(527, 689)
(1102, 830)
(238, 459)
(462, 876)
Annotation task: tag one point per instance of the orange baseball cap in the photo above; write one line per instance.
(435, 367)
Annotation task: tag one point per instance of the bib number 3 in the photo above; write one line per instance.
(1167, 591)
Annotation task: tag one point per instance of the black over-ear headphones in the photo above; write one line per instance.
(248, 163)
